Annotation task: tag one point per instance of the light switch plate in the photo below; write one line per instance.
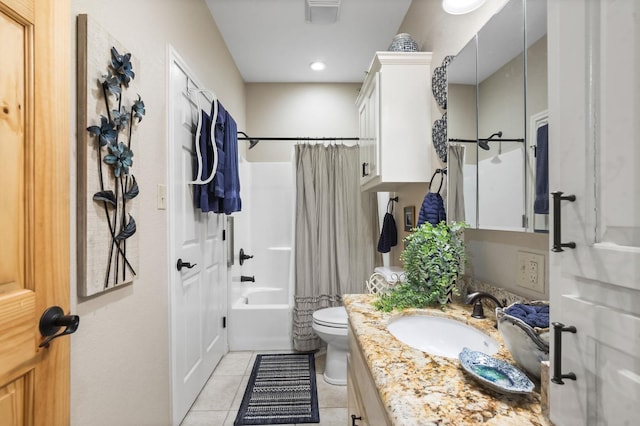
(530, 272)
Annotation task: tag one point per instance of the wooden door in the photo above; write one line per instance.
(34, 208)
(594, 94)
(198, 294)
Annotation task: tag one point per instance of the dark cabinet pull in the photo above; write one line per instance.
(365, 169)
(558, 329)
(557, 226)
(354, 418)
(182, 264)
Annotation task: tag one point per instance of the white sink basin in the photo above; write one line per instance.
(440, 336)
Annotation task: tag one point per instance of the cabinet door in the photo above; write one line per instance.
(369, 134)
(353, 400)
(594, 89)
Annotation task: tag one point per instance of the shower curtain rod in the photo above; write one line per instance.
(486, 140)
(253, 141)
(300, 138)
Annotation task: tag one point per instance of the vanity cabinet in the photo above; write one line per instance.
(363, 400)
(394, 107)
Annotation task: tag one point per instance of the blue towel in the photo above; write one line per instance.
(432, 209)
(216, 187)
(389, 234)
(535, 316)
(541, 203)
(231, 201)
(222, 194)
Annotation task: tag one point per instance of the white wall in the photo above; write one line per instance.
(120, 367)
(298, 110)
(494, 253)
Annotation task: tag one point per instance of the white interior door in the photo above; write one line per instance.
(594, 93)
(198, 291)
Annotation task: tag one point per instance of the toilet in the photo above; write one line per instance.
(330, 324)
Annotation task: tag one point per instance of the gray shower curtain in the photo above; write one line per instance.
(336, 227)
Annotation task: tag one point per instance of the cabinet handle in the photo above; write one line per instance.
(365, 169)
(557, 226)
(354, 418)
(558, 329)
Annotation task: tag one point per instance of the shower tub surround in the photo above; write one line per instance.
(418, 388)
(260, 312)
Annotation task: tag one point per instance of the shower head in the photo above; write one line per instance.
(252, 142)
(484, 143)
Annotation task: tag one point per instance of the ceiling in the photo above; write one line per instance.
(271, 42)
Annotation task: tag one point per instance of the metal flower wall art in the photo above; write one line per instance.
(110, 127)
(113, 141)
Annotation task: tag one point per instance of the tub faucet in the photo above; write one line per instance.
(476, 299)
(244, 278)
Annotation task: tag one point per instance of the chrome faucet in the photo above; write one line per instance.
(476, 299)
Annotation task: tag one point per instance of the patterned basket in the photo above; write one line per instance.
(378, 284)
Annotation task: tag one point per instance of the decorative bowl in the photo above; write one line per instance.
(495, 374)
(528, 345)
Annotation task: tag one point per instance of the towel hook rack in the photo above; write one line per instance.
(441, 172)
(390, 203)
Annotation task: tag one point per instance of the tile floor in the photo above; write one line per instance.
(218, 403)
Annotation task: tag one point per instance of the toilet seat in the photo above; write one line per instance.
(331, 317)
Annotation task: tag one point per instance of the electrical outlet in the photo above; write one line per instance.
(530, 272)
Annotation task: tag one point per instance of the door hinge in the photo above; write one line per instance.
(224, 322)
(525, 221)
(224, 235)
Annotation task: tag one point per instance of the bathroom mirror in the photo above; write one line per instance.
(537, 116)
(498, 118)
(462, 130)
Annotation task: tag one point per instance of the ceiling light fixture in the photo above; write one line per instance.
(322, 11)
(317, 65)
(460, 7)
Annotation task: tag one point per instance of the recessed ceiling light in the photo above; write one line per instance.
(317, 66)
(460, 7)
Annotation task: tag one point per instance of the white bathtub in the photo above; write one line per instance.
(260, 319)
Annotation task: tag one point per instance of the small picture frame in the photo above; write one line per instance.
(409, 218)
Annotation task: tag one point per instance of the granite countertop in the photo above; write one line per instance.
(421, 389)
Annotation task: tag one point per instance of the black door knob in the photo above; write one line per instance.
(52, 320)
(182, 264)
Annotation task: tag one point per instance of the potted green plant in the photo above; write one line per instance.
(433, 259)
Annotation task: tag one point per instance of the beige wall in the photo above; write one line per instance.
(120, 364)
(493, 253)
(298, 110)
(120, 368)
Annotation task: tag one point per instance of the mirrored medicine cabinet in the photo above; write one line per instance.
(497, 123)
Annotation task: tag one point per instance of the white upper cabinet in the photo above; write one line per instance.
(394, 107)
